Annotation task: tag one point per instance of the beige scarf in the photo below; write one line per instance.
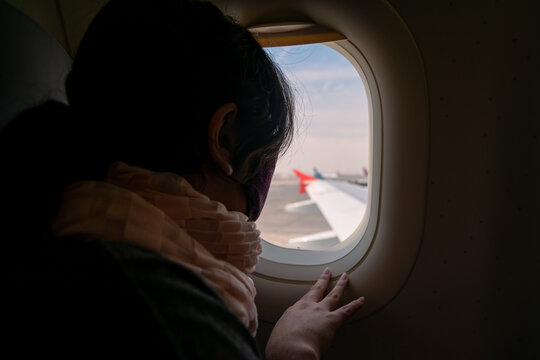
(163, 213)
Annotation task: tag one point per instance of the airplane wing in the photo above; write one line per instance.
(342, 205)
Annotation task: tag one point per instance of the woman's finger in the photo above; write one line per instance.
(316, 293)
(349, 309)
(332, 299)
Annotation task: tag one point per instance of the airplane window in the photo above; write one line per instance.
(318, 195)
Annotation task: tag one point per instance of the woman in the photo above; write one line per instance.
(135, 211)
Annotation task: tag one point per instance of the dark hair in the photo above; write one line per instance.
(145, 81)
(152, 73)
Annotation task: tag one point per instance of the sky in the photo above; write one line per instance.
(331, 111)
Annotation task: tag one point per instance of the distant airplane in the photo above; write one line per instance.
(356, 179)
(341, 203)
(317, 174)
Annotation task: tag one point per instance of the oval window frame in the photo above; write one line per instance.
(397, 65)
(345, 255)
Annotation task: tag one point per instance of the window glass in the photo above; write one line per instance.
(331, 148)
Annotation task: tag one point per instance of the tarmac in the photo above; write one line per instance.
(277, 225)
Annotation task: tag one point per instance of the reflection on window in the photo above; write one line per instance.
(319, 191)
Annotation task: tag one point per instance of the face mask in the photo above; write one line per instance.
(257, 188)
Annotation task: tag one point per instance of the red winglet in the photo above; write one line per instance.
(304, 180)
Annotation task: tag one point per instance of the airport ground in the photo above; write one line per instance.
(277, 225)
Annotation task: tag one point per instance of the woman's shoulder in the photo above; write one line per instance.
(114, 297)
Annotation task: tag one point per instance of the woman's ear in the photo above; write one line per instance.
(220, 136)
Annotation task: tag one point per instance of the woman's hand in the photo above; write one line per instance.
(307, 328)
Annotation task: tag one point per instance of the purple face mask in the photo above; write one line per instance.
(257, 188)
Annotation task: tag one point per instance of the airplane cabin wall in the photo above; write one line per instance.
(66, 20)
(33, 64)
(474, 291)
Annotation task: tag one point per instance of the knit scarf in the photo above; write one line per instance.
(163, 213)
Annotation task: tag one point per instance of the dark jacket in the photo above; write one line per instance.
(85, 298)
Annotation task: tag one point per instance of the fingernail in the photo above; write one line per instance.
(343, 276)
(362, 299)
(326, 271)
